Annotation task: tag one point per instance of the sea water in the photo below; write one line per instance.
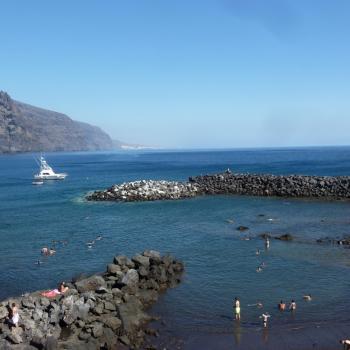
(220, 263)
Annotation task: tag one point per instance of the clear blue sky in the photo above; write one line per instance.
(181, 73)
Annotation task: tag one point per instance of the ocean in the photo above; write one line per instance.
(220, 263)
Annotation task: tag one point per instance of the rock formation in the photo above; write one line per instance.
(299, 186)
(25, 128)
(145, 191)
(100, 312)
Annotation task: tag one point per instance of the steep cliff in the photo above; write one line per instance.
(25, 128)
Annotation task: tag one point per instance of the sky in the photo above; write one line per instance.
(185, 73)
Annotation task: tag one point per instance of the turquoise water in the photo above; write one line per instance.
(219, 264)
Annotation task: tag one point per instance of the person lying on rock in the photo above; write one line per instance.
(54, 292)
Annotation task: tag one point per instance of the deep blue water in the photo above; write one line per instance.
(219, 265)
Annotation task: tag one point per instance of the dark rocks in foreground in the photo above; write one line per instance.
(297, 186)
(99, 312)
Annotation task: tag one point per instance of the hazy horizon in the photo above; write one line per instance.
(201, 75)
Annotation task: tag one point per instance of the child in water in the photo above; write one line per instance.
(237, 307)
(265, 318)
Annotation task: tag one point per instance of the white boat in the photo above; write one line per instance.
(47, 173)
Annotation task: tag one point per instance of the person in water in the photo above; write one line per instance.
(307, 297)
(267, 243)
(293, 305)
(237, 307)
(281, 306)
(265, 317)
(346, 343)
(45, 251)
(14, 315)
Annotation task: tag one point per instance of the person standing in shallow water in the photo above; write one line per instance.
(292, 306)
(281, 306)
(237, 307)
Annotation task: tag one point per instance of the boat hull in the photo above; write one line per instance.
(50, 177)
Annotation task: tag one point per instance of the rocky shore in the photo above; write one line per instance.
(145, 191)
(105, 311)
(299, 186)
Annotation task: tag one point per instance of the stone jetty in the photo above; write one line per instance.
(322, 187)
(145, 191)
(105, 311)
(327, 187)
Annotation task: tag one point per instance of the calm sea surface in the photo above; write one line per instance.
(219, 264)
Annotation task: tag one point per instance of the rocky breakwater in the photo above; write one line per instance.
(145, 191)
(327, 187)
(104, 311)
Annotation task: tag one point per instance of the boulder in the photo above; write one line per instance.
(113, 269)
(122, 260)
(143, 272)
(131, 278)
(112, 322)
(141, 260)
(3, 312)
(14, 338)
(151, 254)
(109, 306)
(90, 284)
(97, 330)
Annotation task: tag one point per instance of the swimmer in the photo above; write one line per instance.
(52, 251)
(259, 269)
(265, 317)
(259, 305)
(267, 243)
(281, 306)
(237, 308)
(90, 243)
(38, 262)
(98, 238)
(346, 343)
(257, 252)
(45, 251)
(293, 305)
(307, 297)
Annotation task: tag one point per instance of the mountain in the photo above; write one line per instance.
(25, 128)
